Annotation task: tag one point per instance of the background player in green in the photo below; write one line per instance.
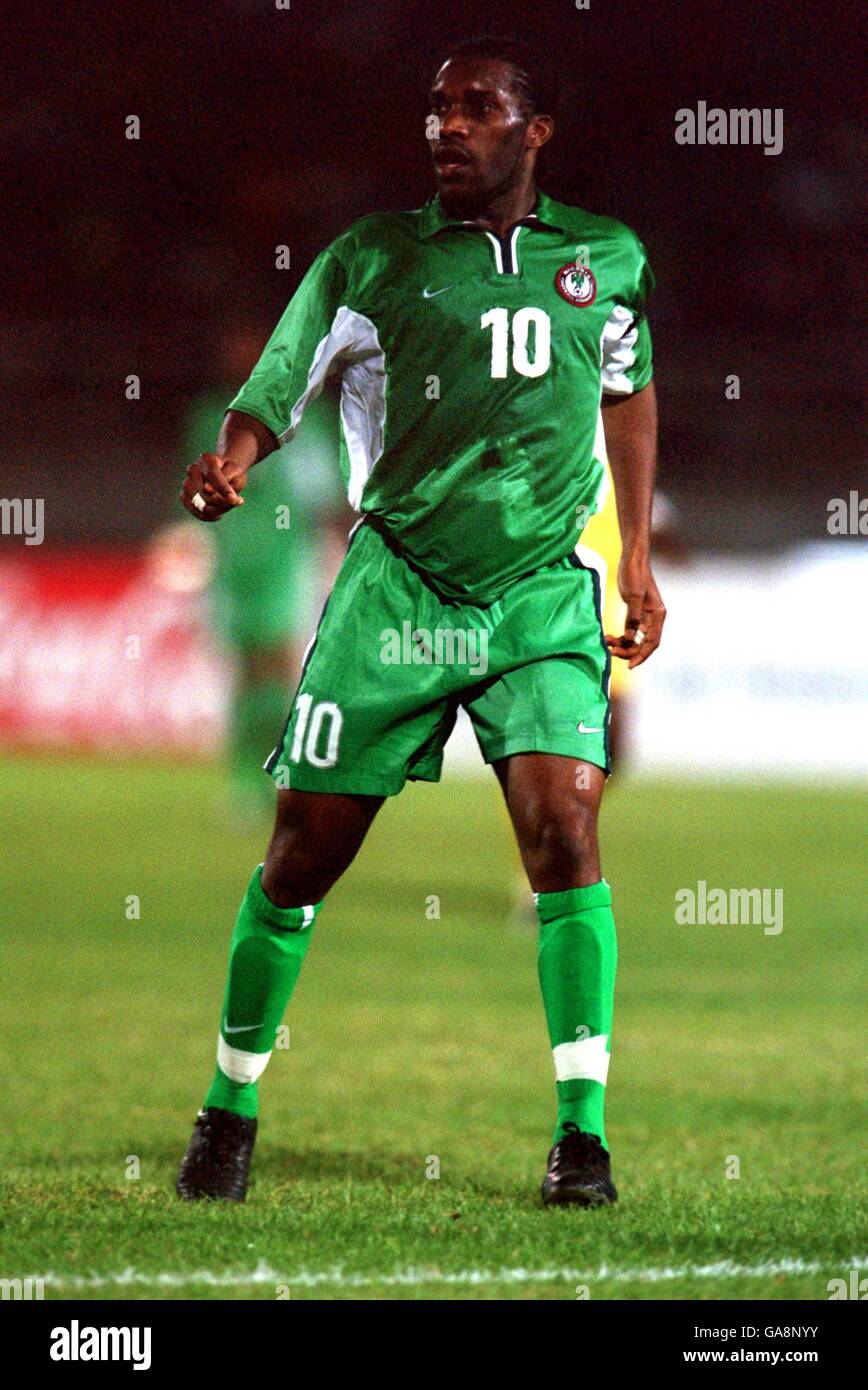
(266, 566)
(473, 340)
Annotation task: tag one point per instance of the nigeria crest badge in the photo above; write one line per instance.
(576, 284)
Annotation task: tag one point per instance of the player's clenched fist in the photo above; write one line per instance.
(213, 485)
(645, 613)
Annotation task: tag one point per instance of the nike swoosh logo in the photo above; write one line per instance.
(583, 729)
(432, 294)
(244, 1028)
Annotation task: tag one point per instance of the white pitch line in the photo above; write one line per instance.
(414, 1277)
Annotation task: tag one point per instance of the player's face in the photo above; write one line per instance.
(482, 146)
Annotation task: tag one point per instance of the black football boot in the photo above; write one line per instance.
(578, 1172)
(217, 1161)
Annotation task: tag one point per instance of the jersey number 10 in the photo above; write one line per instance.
(308, 735)
(498, 321)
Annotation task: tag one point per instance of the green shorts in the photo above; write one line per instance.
(392, 660)
(261, 594)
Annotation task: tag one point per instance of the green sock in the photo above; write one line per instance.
(258, 715)
(268, 946)
(578, 955)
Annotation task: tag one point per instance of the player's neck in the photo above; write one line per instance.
(502, 211)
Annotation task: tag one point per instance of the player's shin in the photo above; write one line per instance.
(268, 946)
(577, 964)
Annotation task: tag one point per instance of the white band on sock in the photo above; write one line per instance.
(241, 1067)
(586, 1059)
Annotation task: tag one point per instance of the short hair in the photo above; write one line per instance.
(533, 78)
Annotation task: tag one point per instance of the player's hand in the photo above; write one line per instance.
(213, 486)
(645, 613)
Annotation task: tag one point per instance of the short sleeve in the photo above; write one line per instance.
(305, 348)
(626, 357)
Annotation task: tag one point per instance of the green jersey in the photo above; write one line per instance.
(471, 369)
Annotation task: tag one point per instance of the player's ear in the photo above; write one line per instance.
(540, 130)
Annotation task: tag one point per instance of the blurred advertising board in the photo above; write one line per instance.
(761, 672)
(108, 649)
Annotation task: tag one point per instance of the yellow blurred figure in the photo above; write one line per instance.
(603, 536)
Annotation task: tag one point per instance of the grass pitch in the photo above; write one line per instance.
(419, 1044)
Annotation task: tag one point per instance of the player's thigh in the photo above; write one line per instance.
(554, 804)
(368, 713)
(548, 692)
(538, 787)
(271, 661)
(315, 839)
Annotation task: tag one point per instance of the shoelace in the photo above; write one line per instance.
(577, 1139)
(224, 1142)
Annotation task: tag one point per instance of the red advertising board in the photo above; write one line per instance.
(109, 649)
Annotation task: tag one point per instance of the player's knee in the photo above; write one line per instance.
(562, 843)
(294, 873)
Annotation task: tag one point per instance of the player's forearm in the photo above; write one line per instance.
(244, 439)
(630, 426)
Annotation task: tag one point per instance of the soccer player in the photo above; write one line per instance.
(265, 568)
(473, 339)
